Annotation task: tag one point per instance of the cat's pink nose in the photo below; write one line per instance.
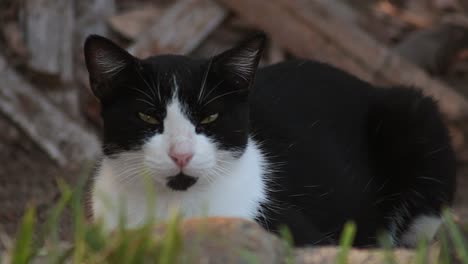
(181, 159)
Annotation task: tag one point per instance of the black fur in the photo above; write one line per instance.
(348, 151)
(340, 148)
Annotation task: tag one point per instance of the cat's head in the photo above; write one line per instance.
(179, 120)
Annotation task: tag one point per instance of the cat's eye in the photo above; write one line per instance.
(209, 119)
(148, 119)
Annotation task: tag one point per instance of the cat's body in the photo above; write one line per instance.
(305, 145)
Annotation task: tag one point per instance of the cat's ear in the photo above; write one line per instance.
(240, 63)
(105, 60)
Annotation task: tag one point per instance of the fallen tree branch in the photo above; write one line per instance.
(56, 134)
(311, 29)
(49, 30)
(181, 29)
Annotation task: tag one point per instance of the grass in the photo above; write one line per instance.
(92, 245)
(346, 242)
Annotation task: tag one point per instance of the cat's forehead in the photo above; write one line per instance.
(171, 62)
(166, 65)
(174, 73)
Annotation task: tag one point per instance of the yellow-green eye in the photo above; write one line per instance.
(148, 119)
(209, 119)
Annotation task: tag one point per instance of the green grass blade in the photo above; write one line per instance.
(457, 237)
(422, 252)
(23, 249)
(49, 231)
(346, 242)
(171, 243)
(79, 221)
(287, 238)
(248, 257)
(444, 255)
(386, 244)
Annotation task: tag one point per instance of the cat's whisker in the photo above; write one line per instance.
(221, 96)
(129, 172)
(146, 101)
(153, 87)
(142, 92)
(212, 89)
(312, 186)
(145, 81)
(430, 179)
(205, 77)
(383, 185)
(158, 87)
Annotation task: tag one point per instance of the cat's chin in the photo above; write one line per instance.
(180, 182)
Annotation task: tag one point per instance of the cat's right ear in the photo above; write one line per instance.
(104, 61)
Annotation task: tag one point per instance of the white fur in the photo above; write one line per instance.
(423, 227)
(226, 186)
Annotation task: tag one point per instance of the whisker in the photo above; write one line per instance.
(153, 87)
(383, 185)
(430, 179)
(430, 153)
(146, 82)
(312, 186)
(214, 88)
(222, 95)
(368, 183)
(146, 101)
(142, 92)
(205, 77)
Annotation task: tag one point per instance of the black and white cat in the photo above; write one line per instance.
(302, 144)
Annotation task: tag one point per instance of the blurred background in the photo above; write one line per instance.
(49, 121)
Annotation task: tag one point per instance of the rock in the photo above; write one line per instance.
(228, 240)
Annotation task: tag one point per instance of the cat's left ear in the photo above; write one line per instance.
(240, 63)
(106, 62)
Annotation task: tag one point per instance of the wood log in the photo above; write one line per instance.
(49, 30)
(311, 29)
(132, 23)
(60, 137)
(92, 16)
(181, 29)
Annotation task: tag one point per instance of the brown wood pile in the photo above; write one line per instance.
(49, 121)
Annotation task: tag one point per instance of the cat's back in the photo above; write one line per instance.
(303, 97)
(304, 88)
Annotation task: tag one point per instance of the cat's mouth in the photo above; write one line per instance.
(180, 182)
